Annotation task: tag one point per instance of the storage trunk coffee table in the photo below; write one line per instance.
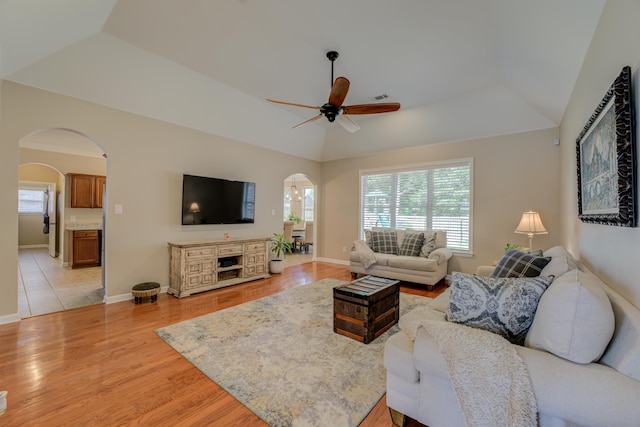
(365, 308)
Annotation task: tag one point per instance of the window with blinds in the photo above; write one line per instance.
(31, 198)
(433, 196)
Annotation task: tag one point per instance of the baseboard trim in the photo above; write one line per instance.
(10, 318)
(32, 246)
(128, 296)
(333, 261)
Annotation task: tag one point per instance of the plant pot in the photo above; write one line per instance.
(276, 266)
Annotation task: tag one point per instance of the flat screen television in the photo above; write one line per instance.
(217, 201)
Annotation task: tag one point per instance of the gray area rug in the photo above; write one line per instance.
(281, 359)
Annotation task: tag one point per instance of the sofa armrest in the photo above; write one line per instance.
(353, 245)
(584, 394)
(441, 255)
(484, 270)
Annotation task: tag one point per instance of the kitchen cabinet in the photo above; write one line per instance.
(86, 190)
(86, 248)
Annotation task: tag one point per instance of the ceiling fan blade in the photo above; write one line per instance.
(348, 123)
(371, 108)
(339, 92)
(307, 121)
(294, 104)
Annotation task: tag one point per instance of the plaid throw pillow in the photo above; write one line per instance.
(515, 263)
(384, 242)
(411, 244)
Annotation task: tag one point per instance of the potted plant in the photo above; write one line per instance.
(293, 217)
(280, 248)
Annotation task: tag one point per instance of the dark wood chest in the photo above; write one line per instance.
(365, 308)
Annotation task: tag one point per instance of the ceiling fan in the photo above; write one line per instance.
(334, 110)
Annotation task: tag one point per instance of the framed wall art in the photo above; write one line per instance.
(607, 159)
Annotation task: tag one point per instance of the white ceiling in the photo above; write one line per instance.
(463, 68)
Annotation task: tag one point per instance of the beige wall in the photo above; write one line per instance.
(612, 252)
(146, 160)
(512, 174)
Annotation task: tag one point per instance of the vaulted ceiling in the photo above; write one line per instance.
(460, 68)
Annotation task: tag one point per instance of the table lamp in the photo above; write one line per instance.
(530, 224)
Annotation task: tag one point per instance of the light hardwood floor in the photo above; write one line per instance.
(103, 365)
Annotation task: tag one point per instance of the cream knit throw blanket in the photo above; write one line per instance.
(488, 375)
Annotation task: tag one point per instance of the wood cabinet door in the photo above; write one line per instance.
(86, 250)
(99, 191)
(82, 191)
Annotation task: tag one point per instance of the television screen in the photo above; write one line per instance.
(217, 201)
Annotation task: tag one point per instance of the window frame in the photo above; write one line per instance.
(466, 161)
(31, 186)
(304, 203)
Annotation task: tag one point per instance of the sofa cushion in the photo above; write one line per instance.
(575, 320)
(515, 263)
(413, 263)
(505, 306)
(383, 259)
(384, 241)
(411, 244)
(429, 244)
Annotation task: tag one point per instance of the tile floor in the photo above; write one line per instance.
(45, 286)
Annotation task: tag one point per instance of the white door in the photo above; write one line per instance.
(51, 211)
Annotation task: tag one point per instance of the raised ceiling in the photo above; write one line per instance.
(462, 68)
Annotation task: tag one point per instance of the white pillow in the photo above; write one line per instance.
(574, 319)
(558, 252)
(556, 267)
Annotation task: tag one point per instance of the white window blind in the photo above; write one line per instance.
(30, 201)
(309, 201)
(434, 196)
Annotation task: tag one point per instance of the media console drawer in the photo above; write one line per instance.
(205, 265)
(230, 249)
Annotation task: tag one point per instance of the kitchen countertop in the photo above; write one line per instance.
(84, 226)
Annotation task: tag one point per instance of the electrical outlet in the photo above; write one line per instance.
(344, 249)
(73, 218)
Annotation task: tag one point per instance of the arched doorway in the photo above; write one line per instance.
(300, 207)
(47, 282)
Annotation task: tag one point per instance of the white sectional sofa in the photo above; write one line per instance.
(428, 268)
(570, 389)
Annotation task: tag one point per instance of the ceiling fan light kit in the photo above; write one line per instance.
(333, 110)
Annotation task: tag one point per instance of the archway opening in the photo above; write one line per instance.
(300, 209)
(48, 281)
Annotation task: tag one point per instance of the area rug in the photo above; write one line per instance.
(281, 359)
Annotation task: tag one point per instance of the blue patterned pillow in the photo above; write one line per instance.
(505, 306)
(516, 263)
(411, 244)
(384, 242)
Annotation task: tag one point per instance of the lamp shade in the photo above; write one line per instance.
(194, 207)
(531, 224)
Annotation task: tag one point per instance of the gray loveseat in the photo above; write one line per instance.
(570, 389)
(428, 267)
